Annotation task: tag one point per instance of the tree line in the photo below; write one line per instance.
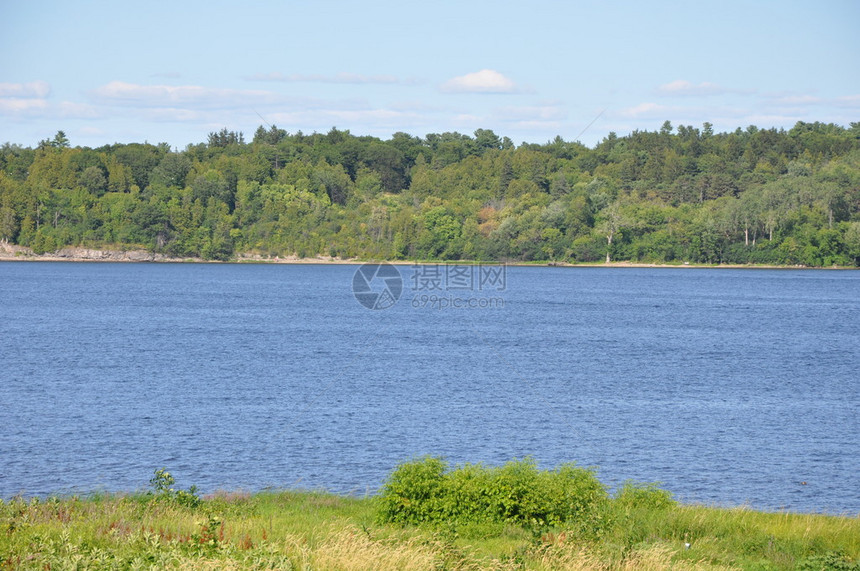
(685, 194)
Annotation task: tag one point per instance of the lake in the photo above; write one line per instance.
(729, 387)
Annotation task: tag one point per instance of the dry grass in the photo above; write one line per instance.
(352, 549)
(290, 530)
(653, 558)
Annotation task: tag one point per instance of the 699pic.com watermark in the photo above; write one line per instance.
(431, 286)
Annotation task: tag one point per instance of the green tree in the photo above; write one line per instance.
(332, 181)
(172, 170)
(119, 176)
(93, 179)
(224, 138)
(60, 141)
(140, 159)
(389, 163)
(8, 224)
(152, 220)
(486, 140)
(441, 233)
(667, 194)
(851, 239)
(612, 220)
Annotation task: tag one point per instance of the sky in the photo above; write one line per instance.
(155, 71)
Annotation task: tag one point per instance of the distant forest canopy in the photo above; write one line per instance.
(765, 196)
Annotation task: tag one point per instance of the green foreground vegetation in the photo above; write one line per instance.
(685, 195)
(427, 516)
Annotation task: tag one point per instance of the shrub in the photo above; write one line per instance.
(426, 491)
(830, 561)
(633, 495)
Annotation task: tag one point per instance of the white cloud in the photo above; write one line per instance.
(540, 113)
(38, 89)
(681, 87)
(342, 78)
(536, 125)
(764, 120)
(848, 101)
(71, 110)
(645, 109)
(24, 99)
(43, 108)
(22, 106)
(90, 131)
(167, 74)
(324, 118)
(484, 81)
(798, 100)
(170, 96)
(415, 106)
(172, 114)
(31, 100)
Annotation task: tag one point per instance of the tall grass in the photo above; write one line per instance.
(639, 527)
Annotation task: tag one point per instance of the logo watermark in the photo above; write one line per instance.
(377, 286)
(431, 286)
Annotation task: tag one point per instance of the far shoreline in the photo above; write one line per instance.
(14, 253)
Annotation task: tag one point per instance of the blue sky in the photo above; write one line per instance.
(107, 72)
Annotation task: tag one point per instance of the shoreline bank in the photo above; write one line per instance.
(303, 530)
(14, 253)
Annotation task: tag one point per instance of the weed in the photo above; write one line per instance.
(211, 533)
(162, 484)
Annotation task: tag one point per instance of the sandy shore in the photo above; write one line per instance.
(11, 252)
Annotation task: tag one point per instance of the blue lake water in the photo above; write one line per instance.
(733, 387)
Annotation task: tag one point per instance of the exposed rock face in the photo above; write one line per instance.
(110, 255)
(12, 252)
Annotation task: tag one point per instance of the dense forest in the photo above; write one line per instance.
(761, 196)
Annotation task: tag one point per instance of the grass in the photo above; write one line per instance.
(309, 530)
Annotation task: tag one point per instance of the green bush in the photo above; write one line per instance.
(633, 495)
(413, 492)
(427, 491)
(831, 561)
